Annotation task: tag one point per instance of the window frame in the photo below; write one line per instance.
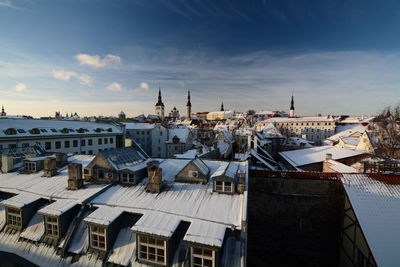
(96, 232)
(14, 217)
(52, 226)
(202, 257)
(220, 186)
(145, 245)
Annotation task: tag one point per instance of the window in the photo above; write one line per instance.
(83, 142)
(51, 226)
(152, 250)
(106, 141)
(14, 217)
(127, 178)
(90, 152)
(12, 146)
(100, 141)
(21, 131)
(90, 141)
(66, 144)
(58, 144)
(47, 145)
(98, 237)
(201, 257)
(111, 140)
(53, 130)
(223, 186)
(43, 130)
(75, 143)
(25, 145)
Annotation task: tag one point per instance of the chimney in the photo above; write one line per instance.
(154, 174)
(50, 168)
(61, 160)
(328, 156)
(200, 149)
(7, 163)
(75, 180)
(241, 178)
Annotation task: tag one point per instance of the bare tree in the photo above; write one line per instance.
(386, 128)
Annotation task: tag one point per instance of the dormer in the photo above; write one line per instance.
(20, 209)
(57, 218)
(32, 165)
(196, 171)
(133, 174)
(224, 179)
(102, 226)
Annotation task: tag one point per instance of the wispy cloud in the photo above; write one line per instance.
(144, 86)
(67, 75)
(20, 87)
(6, 3)
(115, 87)
(96, 61)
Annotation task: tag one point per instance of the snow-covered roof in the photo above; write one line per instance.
(35, 228)
(124, 157)
(317, 154)
(376, 204)
(181, 133)
(270, 131)
(156, 223)
(340, 167)
(54, 128)
(139, 126)
(21, 200)
(58, 207)
(228, 112)
(206, 233)
(299, 142)
(104, 215)
(350, 140)
(344, 131)
(301, 119)
(123, 251)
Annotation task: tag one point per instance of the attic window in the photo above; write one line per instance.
(64, 130)
(98, 130)
(71, 130)
(98, 237)
(10, 131)
(51, 226)
(80, 130)
(127, 178)
(53, 130)
(43, 130)
(14, 217)
(152, 250)
(201, 257)
(223, 186)
(34, 131)
(21, 131)
(109, 130)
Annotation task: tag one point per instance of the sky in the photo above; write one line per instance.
(98, 57)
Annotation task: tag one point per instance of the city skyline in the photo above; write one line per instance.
(99, 59)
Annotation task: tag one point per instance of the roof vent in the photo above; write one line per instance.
(50, 168)
(75, 180)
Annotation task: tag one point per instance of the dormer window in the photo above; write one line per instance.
(98, 237)
(127, 178)
(202, 257)
(14, 217)
(34, 131)
(152, 250)
(223, 186)
(51, 226)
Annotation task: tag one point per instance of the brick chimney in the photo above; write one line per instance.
(50, 168)
(241, 178)
(328, 156)
(61, 160)
(75, 180)
(7, 163)
(154, 174)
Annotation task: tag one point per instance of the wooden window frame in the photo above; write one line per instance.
(150, 247)
(52, 227)
(128, 178)
(14, 217)
(202, 257)
(222, 186)
(98, 237)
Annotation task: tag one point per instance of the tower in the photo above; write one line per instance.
(3, 113)
(189, 107)
(222, 106)
(160, 105)
(291, 111)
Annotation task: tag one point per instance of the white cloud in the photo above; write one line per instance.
(144, 86)
(67, 75)
(6, 3)
(115, 87)
(96, 61)
(20, 87)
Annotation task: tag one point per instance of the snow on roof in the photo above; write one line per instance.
(124, 157)
(201, 166)
(270, 131)
(350, 140)
(35, 228)
(301, 119)
(104, 215)
(258, 157)
(54, 127)
(2, 217)
(156, 223)
(206, 233)
(221, 169)
(58, 207)
(228, 112)
(232, 170)
(299, 142)
(123, 251)
(188, 201)
(21, 200)
(340, 167)
(80, 241)
(317, 154)
(223, 148)
(376, 205)
(181, 133)
(344, 131)
(139, 126)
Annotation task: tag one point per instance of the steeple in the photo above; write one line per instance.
(159, 108)
(3, 113)
(222, 106)
(291, 111)
(189, 107)
(159, 103)
(188, 102)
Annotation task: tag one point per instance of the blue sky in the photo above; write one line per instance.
(100, 57)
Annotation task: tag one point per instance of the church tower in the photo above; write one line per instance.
(3, 113)
(291, 111)
(160, 105)
(222, 106)
(189, 107)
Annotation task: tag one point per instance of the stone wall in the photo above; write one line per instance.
(294, 218)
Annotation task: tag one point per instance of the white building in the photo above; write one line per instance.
(60, 136)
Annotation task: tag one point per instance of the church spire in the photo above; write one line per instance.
(188, 102)
(291, 111)
(3, 113)
(222, 106)
(159, 103)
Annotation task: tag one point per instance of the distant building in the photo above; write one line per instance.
(291, 111)
(160, 108)
(60, 136)
(121, 116)
(188, 107)
(3, 113)
(220, 115)
(179, 141)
